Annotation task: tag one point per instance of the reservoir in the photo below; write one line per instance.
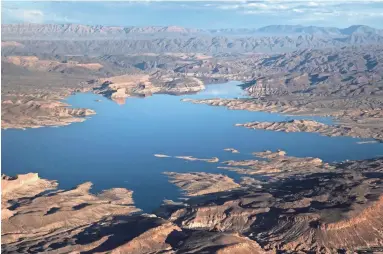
(116, 147)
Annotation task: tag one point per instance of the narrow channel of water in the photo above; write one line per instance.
(115, 148)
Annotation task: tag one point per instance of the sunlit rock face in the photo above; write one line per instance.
(39, 218)
(37, 111)
(315, 209)
(202, 183)
(313, 126)
(119, 88)
(34, 210)
(319, 208)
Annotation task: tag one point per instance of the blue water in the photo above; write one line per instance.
(115, 147)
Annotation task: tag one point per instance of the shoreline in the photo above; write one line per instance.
(211, 201)
(338, 121)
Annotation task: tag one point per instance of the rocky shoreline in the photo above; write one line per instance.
(44, 109)
(354, 122)
(36, 114)
(303, 205)
(344, 83)
(316, 127)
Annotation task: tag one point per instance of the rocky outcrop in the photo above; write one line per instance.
(356, 117)
(34, 112)
(347, 71)
(360, 232)
(242, 104)
(317, 211)
(157, 238)
(224, 215)
(313, 126)
(120, 87)
(21, 186)
(219, 243)
(49, 218)
(278, 165)
(195, 184)
(188, 158)
(232, 150)
(191, 158)
(74, 221)
(298, 208)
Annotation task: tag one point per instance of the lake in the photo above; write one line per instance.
(116, 147)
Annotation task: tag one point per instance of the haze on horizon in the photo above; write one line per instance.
(197, 14)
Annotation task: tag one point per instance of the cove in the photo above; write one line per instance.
(116, 147)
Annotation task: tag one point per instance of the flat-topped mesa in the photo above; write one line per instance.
(317, 127)
(121, 87)
(277, 165)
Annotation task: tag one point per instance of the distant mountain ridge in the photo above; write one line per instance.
(75, 30)
(48, 30)
(96, 40)
(291, 29)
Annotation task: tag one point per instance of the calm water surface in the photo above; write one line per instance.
(115, 147)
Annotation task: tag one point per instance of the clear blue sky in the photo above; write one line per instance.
(198, 14)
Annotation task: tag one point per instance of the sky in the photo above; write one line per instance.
(197, 14)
